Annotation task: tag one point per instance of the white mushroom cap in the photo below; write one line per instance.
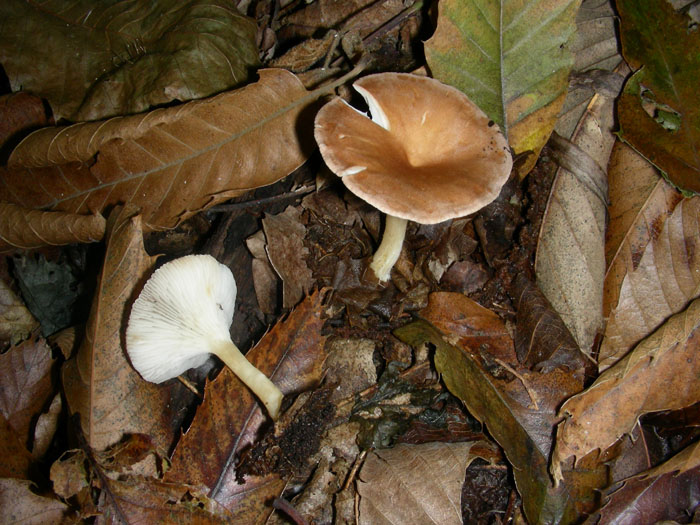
(185, 305)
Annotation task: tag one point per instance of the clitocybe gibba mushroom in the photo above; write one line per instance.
(182, 315)
(428, 154)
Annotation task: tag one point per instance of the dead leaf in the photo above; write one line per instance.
(285, 248)
(541, 339)
(659, 374)
(16, 458)
(99, 382)
(265, 279)
(517, 406)
(667, 492)
(665, 280)
(171, 162)
(229, 419)
(16, 322)
(20, 504)
(46, 426)
(26, 228)
(414, 483)
(69, 473)
(640, 202)
(596, 50)
(19, 112)
(26, 385)
(113, 59)
(570, 261)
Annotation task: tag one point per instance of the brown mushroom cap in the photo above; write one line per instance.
(429, 153)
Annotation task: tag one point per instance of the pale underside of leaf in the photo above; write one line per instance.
(570, 262)
(659, 374)
(94, 60)
(666, 279)
(425, 480)
(171, 163)
(640, 202)
(510, 58)
(99, 383)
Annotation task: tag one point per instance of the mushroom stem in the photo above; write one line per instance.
(266, 390)
(390, 248)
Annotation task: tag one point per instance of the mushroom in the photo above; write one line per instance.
(428, 154)
(182, 315)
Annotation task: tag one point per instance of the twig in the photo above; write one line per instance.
(286, 507)
(265, 200)
(359, 460)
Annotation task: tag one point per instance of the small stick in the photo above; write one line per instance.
(265, 200)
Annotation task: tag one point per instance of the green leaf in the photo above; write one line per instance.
(98, 59)
(511, 58)
(658, 110)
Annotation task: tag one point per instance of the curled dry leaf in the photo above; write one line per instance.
(229, 419)
(640, 202)
(666, 279)
(570, 261)
(99, 383)
(172, 162)
(522, 69)
(16, 322)
(118, 58)
(26, 384)
(414, 483)
(20, 505)
(27, 228)
(659, 374)
(667, 492)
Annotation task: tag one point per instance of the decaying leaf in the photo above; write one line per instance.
(284, 233)
(666, 279)
(16, 322)
(172, 162)
(229, 419)
(659, 111)
(26, 385)
(16, 458)
(45, 428)
(517, 406)
(26, 228)
(640, 202)
(99, 382)
(117, 58)
(20, 505)
(596, 52)
(659, 374)
(514, 69)
(414, 484)
(19, 112)
(667, 492)
(570, 262)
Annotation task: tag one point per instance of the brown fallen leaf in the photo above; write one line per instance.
(659, 374)
(46, 426)
(170, 162)
(229, 419)
(570, 261)
(640, 202)
(20, 504)
(667, 492)
(19, 112)
(414, 483)
(16, 322)
(665, 280)
(17, 460)
(26, 385)
(26, 228)
(99, 382)
(284, 233)
(518, 406)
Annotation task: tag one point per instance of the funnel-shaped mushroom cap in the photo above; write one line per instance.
(429, 154)
(185, 307)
